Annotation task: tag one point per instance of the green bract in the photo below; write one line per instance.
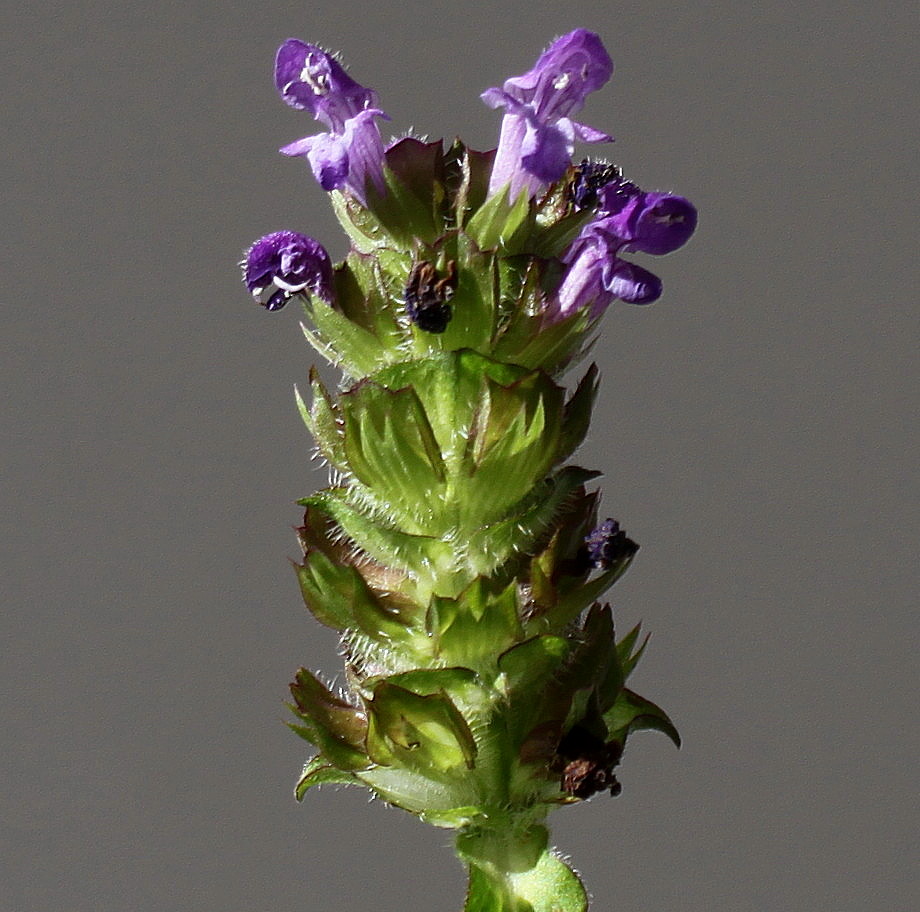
(485, 684)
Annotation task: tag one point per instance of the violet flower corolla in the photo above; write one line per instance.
(537, 136)
(629, 220)
(351, 154)
(289, 263)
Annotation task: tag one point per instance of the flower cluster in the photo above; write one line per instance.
(535, 151)
(457, 552)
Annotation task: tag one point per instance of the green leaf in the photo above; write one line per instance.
(319, 771)
(634, 713)
(418, 732)
(549, 886)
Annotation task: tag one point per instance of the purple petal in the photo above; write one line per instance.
(289, 262)
(300, 146)
(572, 67)
(311, 80)
(328, 157)
(631, 283)
(589, 134)
(546, 151)
(664, 223)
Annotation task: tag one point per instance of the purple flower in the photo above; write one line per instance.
(537, 136)
(655, 223)
(286, 263)
(597, 276)
(608, 543)
(351, 153)
(629, 219)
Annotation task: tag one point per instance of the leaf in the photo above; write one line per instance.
(549, 886)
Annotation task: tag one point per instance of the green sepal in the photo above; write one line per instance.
(449, 384)
(335, 727)
(571, 696)
(475, 172)
(422, 733)
(342, 341)
(363, 293)
(574, 595)
(473, 304)
(472, 628)
(632, 713)
(552, 240)
(337, 595)
(462, 684)
(625, 650)
(324, 422)
(526, 336)
(498, 224)
(513, 443)
(428, 558)
(521, 530)
(415, 176)
(577, 416)
(319, 771)
(622, 661)
(391, 448)
(527, 669)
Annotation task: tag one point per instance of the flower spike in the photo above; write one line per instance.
(457, 551)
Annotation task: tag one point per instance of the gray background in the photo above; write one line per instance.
(755, 430)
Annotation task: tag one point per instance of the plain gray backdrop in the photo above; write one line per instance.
(755, 429)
